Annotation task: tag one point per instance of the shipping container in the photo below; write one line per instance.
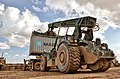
(40, 44)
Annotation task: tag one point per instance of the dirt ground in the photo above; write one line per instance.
(112, 73)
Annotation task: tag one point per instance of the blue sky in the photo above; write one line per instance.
(21, 17)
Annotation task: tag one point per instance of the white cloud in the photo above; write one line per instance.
(98, 9)
(17, 40)
(17, 55)
(23, 55)
(5, 53)
(117, 54)
(16, 58)
(17, 27)
(59, 5)
(119, 5)
(37, 9)
(107, 15)
(4, 46)
(103, 4)
(36, 1)
(117, 45)
(45, 9)
(1, 8)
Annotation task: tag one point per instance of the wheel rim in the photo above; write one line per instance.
(62, 57)
(38, 66)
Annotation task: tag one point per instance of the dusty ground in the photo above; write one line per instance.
(112, 73)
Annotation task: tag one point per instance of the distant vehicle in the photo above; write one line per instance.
(68, 53)
(2, 62)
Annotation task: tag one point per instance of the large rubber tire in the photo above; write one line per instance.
(43, 65)
(68, 58)
(100, 66)
(37, 66)
(106, 65)
(96, 67)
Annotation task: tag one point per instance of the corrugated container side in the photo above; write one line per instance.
(40, 44)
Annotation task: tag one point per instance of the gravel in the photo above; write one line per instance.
(81, 74)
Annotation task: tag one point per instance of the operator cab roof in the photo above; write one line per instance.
(87, 21)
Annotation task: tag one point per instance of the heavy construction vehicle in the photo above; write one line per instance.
(32, 64)
(68, 52)
(2, 62)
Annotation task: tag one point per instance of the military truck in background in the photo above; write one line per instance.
(32, 64)
(68, 52)
(2, 62)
